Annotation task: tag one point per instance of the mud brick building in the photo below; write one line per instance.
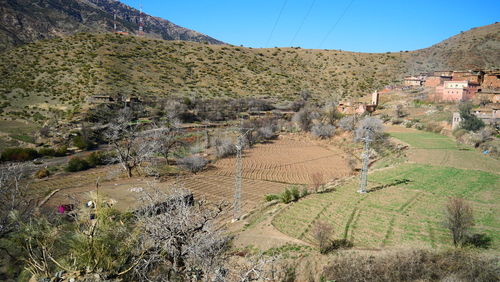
(491, 80)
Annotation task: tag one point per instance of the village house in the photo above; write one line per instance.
(491, 80)
(488, 96)
(443, 73)
(489, 114)
(472, 77)
(434, 81)
(413, 81)
(454, 91)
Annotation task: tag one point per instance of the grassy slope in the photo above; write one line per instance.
(60, 73)
(51, 77)
(405, 214)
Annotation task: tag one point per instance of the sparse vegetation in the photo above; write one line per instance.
(194, 164)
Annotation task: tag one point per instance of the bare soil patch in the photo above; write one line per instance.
(289, 159)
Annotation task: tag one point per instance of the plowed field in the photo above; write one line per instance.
(288, 161)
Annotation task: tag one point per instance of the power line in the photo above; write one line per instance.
(335, 25)
(302, 23)
(276, 23)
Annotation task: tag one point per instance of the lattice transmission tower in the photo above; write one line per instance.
(239, 172)
(363, 180)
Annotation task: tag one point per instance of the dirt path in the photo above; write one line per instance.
(262, 235)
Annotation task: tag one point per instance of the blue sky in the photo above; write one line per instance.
(352, 25)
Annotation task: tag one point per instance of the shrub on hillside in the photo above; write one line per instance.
(77, 164)
(304, 118)
(323, 130)
(413, 265)
(83, 143)
(224, 148)
(19, 154)
(433, 127)
(348, 123)
(42, 173)
(96, 158)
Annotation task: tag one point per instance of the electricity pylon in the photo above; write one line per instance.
(239, 173)
(363, 180)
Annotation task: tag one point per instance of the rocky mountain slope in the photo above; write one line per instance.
(478, 48)
(23, 21)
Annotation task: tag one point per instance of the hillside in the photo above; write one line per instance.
(55, 75)
(24, 21)
(60, 73)
(478, 48)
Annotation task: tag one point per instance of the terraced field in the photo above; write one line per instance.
(288, 161)
(268, 169)
(399, 214)
(436, 149)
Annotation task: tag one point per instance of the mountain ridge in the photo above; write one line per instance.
(25, 21)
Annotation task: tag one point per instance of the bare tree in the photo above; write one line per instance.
(330, 113)
(348, 123)
(323, 130)
(399, 112)
(369, 127)
(322, 232)
(130, 146)
(458, 219)
(166, 138)
(13, 196)
(193, 163)
(178, 238)
(304, 118)
(224, 147)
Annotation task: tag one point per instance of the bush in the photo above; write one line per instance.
(323, 131)
(290, 195)
(51, 152)
(271, 197)
(77, 164)
(433, 127)
(459, 132)
(469, 121)
(303, 119)
(19, 154)
(96, 158)
(348, 123)
(47, 152)
(83, 143)
(304, 192)
(42, 173)
(224, 148)
(286, 196)
(264, 133)
(194, 164)
(413, 265)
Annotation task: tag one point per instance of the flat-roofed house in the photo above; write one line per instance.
(454, 91)
(413, 81)
(489, 114)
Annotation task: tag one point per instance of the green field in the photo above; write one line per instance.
(434, 149)
(398, 214)
(427, 140)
